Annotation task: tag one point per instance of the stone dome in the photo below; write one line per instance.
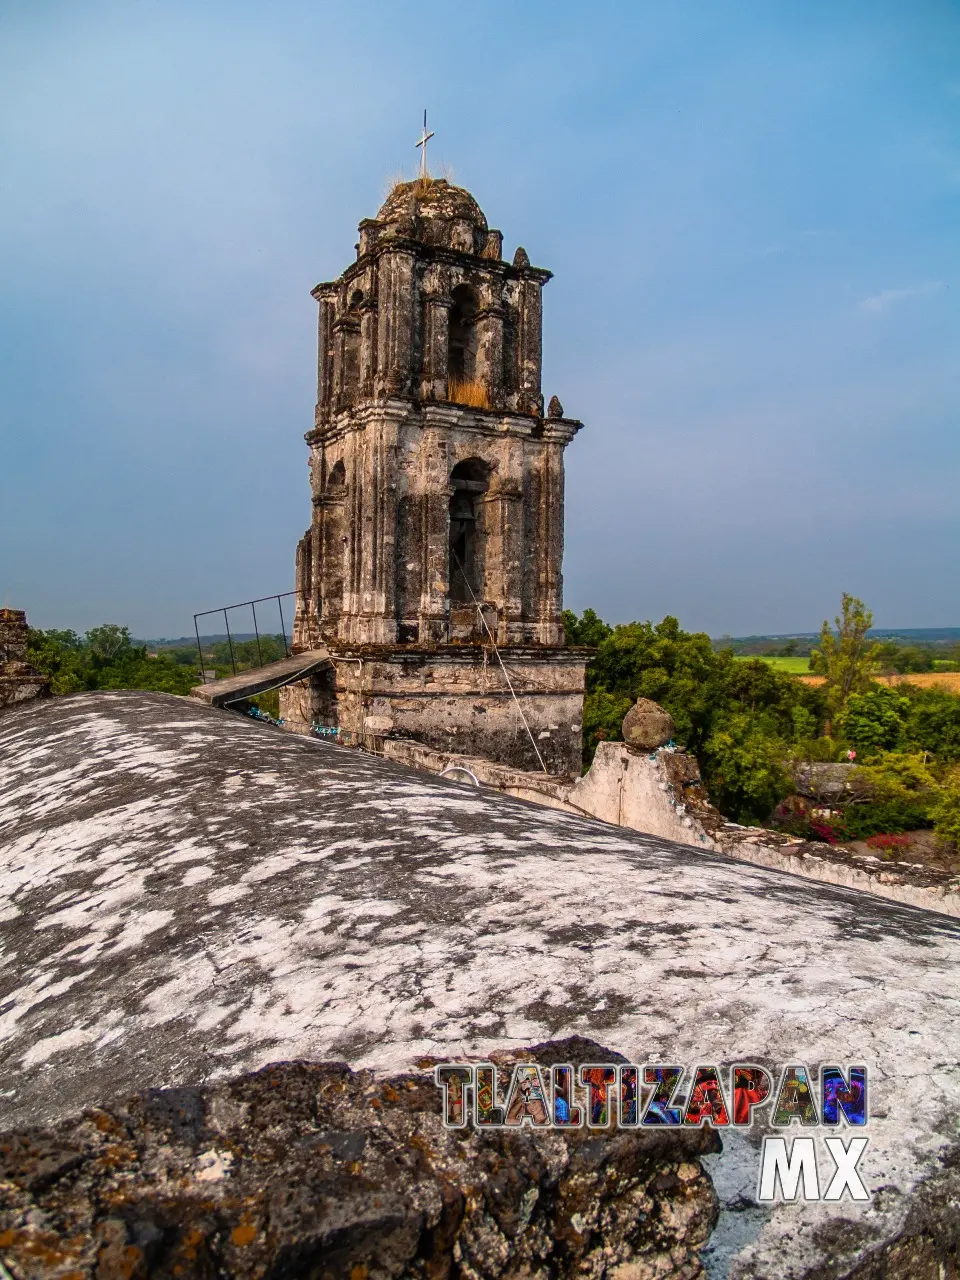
(431, 198)
(435, 212)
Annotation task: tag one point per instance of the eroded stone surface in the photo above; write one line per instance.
(188, 895)
(301, 1166)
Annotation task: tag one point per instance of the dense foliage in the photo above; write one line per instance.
(750, 724)
(899, 790)
(740, 718)
(105, 658)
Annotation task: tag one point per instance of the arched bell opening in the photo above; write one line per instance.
(469, 480)
(334, 541)
(463, 384)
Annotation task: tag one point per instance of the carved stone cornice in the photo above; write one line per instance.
(431, 253)
(561, 430)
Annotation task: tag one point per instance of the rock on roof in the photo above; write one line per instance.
(186, 894)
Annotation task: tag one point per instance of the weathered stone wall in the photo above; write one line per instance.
(452, 699)
(914, 883)
(375, 566)
(19, 681)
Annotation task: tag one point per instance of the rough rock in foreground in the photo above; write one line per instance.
(314, 1170)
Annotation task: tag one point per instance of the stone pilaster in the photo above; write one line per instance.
(503, 518)
(395, 328)
(436, 343)
(368, 346)
(305, 629)
(434, 536)
(551, 545)
(354, 547)
(325, 356)
(529, 353)
(489, 324)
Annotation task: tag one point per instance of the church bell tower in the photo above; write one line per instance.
(434, 551)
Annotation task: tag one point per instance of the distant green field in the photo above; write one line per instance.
(795, 666)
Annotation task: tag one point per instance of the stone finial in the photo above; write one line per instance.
(647, 726)
(554, 408)
(520, 258)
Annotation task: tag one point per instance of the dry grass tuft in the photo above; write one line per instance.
(468, 391)
(393, 182)
(412, 186)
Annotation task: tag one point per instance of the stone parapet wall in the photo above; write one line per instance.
(622, 787)
(910, 882)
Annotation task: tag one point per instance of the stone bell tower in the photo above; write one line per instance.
(435, 547)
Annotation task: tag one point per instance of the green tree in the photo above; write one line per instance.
(846, 659)
(895, 792)
(603, 714)
(945, 811)
(933, 722)
(894, 659)
(744, 765)
(589, 629)
(108, 641)
(661, 662)
(55, 654)
(804, 723)
(737, 716)
(874, 721)
(105, 659)
(138, 671)
(65, 639)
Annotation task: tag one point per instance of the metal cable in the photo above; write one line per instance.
(506, 675)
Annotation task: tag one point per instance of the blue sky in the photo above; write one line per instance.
(753, 215)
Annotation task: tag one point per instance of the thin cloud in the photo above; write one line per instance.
(890, 297)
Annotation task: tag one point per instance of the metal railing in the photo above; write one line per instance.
(252, 605)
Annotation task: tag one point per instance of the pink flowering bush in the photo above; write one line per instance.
(889, 843)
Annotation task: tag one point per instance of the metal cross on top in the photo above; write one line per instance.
(423, 143)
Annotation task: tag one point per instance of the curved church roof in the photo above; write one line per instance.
(186, 894)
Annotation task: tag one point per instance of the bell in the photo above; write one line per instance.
(461, 508)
